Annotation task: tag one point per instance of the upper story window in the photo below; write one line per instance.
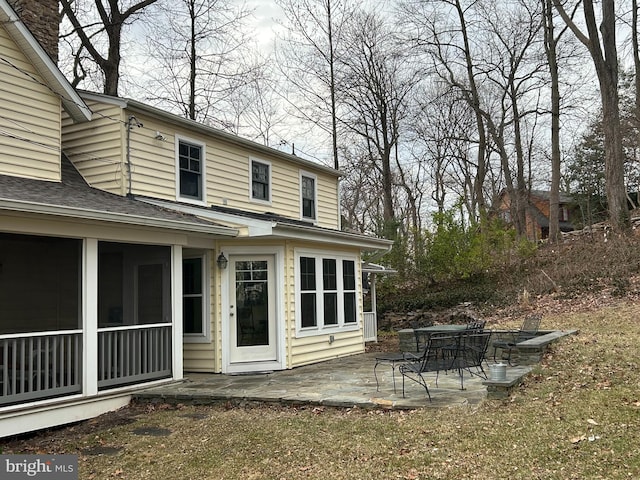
(308, 196)
(191, 169)
(260, 181)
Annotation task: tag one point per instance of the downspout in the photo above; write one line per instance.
(130, 123)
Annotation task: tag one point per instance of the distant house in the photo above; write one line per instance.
(136, 245)
(537, 213)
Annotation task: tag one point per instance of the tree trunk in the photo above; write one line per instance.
(605, 60)
(552, 59)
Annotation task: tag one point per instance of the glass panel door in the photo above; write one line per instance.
(253, 332)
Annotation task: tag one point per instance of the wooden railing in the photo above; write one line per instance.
(370, 327)
(36, 366)
(133, 354)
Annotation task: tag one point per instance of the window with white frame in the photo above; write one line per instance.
(191, 169)
(260, 181)
(308, 196)
(194, 298)
(326, 292)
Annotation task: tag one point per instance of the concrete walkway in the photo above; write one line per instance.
(343, 382)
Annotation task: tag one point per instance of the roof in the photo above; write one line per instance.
(136, 106)
(73, 197)
(545, 194)
(275, 226)
(46, 67)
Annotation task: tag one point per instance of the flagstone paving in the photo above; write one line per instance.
(342, 382)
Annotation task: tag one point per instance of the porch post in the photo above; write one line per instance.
(372, 284)
(176, 305)
(90, 318)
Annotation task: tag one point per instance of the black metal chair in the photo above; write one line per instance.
(433, 359)
(528, 330)
(471, 354)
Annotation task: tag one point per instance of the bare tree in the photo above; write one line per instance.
(444, 35)
(308, 57)
(601, 43)
(198, 54)
(113, 16)
(376, 81)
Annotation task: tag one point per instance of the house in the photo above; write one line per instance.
(136, 245)
(537, 213)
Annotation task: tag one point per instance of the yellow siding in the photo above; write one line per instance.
(29, 118)
(97, 148)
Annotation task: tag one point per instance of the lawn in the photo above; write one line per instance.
(576, 417)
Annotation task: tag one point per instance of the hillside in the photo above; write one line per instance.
(585, 269)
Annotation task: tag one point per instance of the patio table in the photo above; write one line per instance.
(425, 332)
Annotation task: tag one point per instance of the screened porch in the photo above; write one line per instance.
(44, 342)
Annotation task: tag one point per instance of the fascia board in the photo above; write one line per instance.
(250, 227)
(333, 237)
(55, 80)
(121, 218)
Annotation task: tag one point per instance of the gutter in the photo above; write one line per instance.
(114, 217)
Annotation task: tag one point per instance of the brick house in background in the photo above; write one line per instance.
(537, 213)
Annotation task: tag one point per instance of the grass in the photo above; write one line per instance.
(576, 417)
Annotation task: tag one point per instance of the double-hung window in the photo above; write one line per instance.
(191, 170)
(194, 298)
(260, 181)
(308, 196)
(326, 292)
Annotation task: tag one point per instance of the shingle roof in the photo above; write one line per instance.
(74, 193)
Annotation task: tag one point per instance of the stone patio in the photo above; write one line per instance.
(342, 382)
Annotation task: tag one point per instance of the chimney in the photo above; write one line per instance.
(43, 20)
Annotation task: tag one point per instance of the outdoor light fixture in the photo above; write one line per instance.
(222, 261)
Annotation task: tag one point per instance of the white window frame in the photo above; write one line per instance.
(205, 336)
(203, 170)
(320, 328)
(270, 183)
(304, 174)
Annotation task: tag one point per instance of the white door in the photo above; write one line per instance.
(252, 309)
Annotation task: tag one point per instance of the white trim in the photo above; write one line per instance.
(176, 305)
(270, 183)
(279, 277)
(90, 318)
(203, 170)
(310, 175)
(205, 336)
(320, 328)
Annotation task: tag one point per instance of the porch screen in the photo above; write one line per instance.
(40, 283)
(134, 284)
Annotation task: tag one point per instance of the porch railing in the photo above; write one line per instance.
(370, 327)
(133, 354)
(36, 366)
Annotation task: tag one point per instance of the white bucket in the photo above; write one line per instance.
(498, 372)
